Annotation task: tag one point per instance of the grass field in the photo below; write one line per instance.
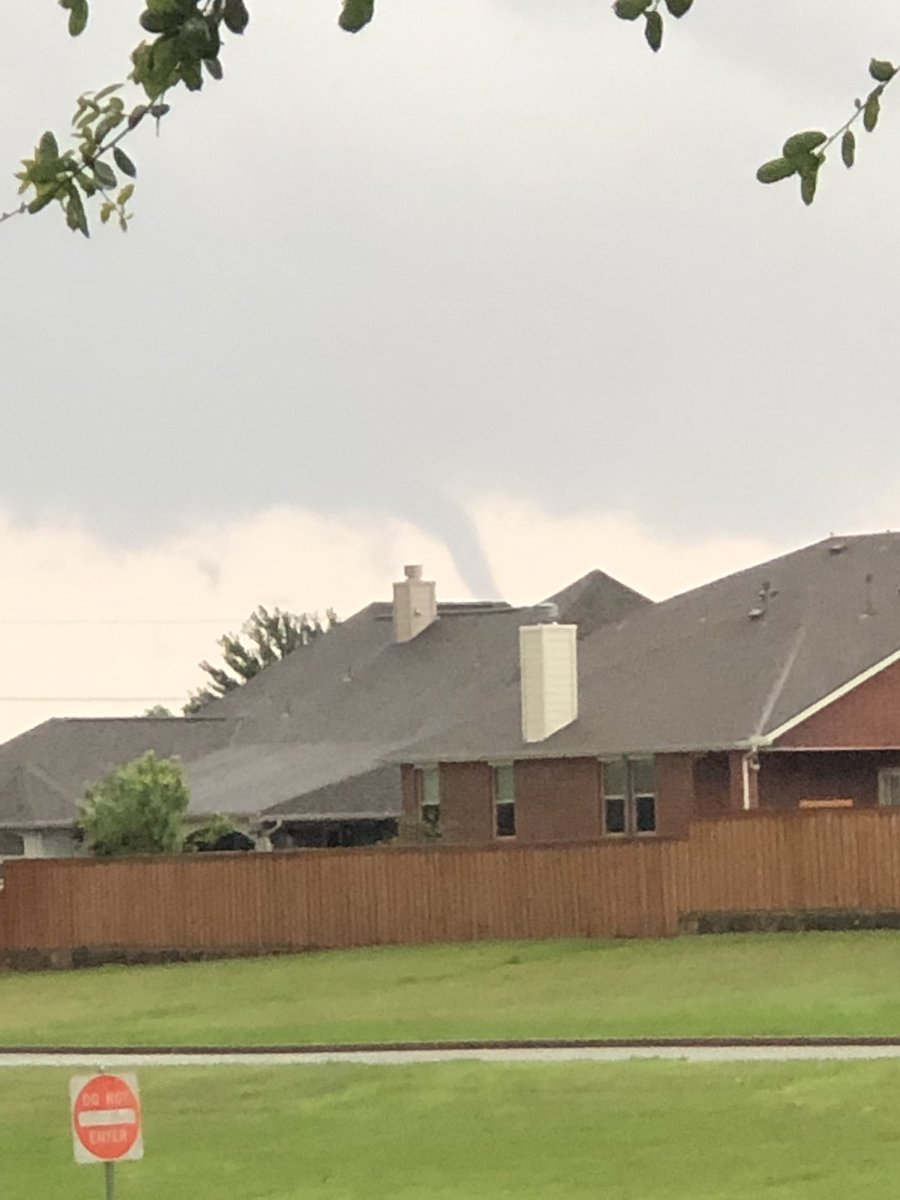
(634, 1131)
(753, 984)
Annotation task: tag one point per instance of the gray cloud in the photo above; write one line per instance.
(493, 247)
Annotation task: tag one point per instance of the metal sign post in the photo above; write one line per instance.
(110, 1169)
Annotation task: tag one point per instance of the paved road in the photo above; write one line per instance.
(732, 1051)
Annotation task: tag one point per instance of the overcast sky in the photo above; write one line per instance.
(488, 286)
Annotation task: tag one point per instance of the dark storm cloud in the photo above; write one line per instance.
(499, 248)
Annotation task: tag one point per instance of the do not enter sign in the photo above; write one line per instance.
(106, 1118)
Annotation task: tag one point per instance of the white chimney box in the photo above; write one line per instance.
(415, 604)
(548, 661)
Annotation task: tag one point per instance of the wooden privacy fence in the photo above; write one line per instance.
(258, 903)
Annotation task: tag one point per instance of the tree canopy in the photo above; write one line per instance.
(139, 808)
(184, 49)
(265, 637)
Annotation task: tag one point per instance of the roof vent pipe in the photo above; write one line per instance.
(546, 613)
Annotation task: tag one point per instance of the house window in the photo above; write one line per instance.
(889, 788)
(629, 797)
(615, 796)
(504, 801)
(430, 796)
(12, 845)
(643, 794)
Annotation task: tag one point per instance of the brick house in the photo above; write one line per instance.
(777, 687)
(303, 753)
(595, 714)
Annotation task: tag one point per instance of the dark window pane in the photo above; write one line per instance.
(614, 778)
(11, 843)
(431, 814)
(615, 815)
(506, 820)
(642, 781)
(645, 814)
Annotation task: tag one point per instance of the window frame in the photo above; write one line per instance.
(619, 796)
(629, 794)
(503, 799)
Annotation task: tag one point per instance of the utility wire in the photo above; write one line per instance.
(119, 621)
(89, 699)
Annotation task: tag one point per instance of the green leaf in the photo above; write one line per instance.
(124, 163)
(107, 91)
(76, 218)
(137, 115)
(195, 40)
(808, 183)
(799, 144)
(78, 15)
(235, 16)
(678, 7)
(356, 14)
(108, 123)
(630, 10)
(41, 201)
(192, 76)
(48, 148)
(775, 169)
(881, 70)
(872, 110)
(106, 211)
(105, 175)
(848, 148)
(214, 67)
(45, 172)
(653, 30)
(125, 195)
(155, 22)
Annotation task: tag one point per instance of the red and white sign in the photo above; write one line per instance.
(106, 1118)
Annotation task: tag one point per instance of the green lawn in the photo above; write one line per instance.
(632, 1131)
(753, 984)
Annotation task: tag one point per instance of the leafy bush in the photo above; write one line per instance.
(139, 808)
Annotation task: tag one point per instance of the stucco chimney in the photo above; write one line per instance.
(548, 661)
(415, 604)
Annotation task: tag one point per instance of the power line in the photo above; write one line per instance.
(89, 699)
(120, 621)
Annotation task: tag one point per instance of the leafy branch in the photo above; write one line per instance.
(65, 177)
(804, 153)
(186, 44)
(631, 10)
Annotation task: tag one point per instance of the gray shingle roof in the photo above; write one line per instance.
(43, 773)
(309, 735)
(373, 794)
(698, 672)
(243, 779)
